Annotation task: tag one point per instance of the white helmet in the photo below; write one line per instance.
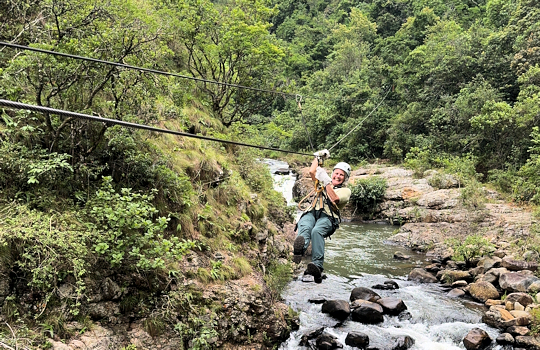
(345, 167)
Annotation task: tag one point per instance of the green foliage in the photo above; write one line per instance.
(366, 193)
(127, 232)
(471, 247)
(535, 322)
(47, 248)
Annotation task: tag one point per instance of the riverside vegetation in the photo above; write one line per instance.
(146, 239)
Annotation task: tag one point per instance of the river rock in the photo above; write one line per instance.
(357, 339)
(518, 330)
(388, 285)
(311, 334)
(282, 171)
(505, 339)
(392, 283)
(534, 288)
(517, 281)
(450, 276)
(392, 306)
(433, 268)
(327, 341)
(476, 339)
(477, 271)
(367, 314)
(359, 302)
(491, 302)
(483, 291)
(422, 276)
(497, 272)
(487, 278)
(364, 294)
(518, 265)
(405, 316)
(401, 256)
(338, 309)
(403, 343)
(460, 283)
(528, 342)
(456, 293)
(489, 262)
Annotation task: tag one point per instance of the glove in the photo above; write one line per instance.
(324, 154)
(322, 176)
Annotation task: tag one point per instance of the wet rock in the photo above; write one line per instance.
(405, 316)
(450, 276)
(403, 343)
(518, 330)
(422, 276)
(518, 265)
(528, 342)
(456, 293)
(338, 309)
(401, 256)
(308, 278)
(392, 283)
(359, 302)
(392, 306)
(505, 339)
(357, 339)
(476, 339)
(317, 300)
(311, 334)
(282, 171)
(327, 341)
(517, 281)
(483, 291)
(364, 294)
(367, 314)
(433, 268)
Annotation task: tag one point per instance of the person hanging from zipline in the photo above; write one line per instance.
(321, 219)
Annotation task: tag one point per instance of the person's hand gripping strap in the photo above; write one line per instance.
(322, 176)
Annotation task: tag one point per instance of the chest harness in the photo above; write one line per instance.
(321, 197)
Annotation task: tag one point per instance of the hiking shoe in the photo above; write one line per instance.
(313, 270)
(298, 249)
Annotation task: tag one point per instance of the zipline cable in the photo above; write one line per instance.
(41, 109)
(148, 70)
(356, 127)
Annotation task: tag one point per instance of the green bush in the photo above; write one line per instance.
(366, 193)
(472, 247)
(127, 233)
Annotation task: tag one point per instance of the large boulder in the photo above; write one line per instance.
(517, 281)
(392, 306)
(338, 309)
(518, 265)
(476, 339)
(367, 314)
(522, 298)
(311, 334)
(364, 294)
(359, 302)
(528, 342)
(505, 339)
(422, 276)
(357, 339)
(483, 291)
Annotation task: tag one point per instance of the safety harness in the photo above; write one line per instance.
(321, 197)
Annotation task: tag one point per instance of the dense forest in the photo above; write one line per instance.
(425, 83)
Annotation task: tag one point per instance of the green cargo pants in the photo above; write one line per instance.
(315, 227)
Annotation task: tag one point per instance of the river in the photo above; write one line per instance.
(357, 256)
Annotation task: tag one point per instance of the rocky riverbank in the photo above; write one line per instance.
(427, 211)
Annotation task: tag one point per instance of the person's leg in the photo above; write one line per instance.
(322, 228)
(305, 225)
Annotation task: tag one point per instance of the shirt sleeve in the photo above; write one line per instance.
(344, 195)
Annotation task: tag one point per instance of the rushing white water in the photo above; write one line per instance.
(357, 256)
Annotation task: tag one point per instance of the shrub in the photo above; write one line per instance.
(127, 232)
(366, 193)
(472, 247)
(277, 277)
